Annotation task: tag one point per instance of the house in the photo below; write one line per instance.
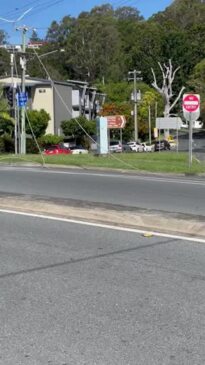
(62, 100)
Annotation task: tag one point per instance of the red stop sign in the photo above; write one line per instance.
(191, 103)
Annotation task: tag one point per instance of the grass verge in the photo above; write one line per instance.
(169, 162)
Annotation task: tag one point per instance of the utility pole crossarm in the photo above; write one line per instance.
(135, 79)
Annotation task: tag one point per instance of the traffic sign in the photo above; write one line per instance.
(191, 102)
(116, 121)
(191, 107)
(22, 99)
(191, 111)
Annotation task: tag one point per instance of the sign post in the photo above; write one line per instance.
(191, 111)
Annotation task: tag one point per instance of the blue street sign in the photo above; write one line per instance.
(22, 99)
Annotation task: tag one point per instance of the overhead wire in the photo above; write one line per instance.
(45, 4)
(70, 112)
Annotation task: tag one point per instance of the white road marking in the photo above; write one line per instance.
(98, 174)
(105, 226)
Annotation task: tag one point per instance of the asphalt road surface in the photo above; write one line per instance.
(182, 195)
(78, 295)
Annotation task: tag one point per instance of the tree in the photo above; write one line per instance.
(4, 62)
(166, 90)
(196, 83)
(183, 13)
(37, 122)
(6, 122)
(141, 46)
(118, 103)
(3, 37)
(58, 32)
(79, 128)
(93, 46)
(34, 36)
(128, 13)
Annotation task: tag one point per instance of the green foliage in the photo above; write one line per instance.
(2, 145)
(50, 139)
(6, 144)
(93, 45)
(77, 127)
(6, 122)
(31, 146)
(4, 61)
(34, 36)
(119, 103)
(38, 121)
(3, 36)
(197, 84)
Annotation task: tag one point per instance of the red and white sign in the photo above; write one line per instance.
(191, 107)
(115, 121)
(191, 102)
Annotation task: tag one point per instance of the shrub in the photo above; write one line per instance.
(49, 139)
(8, 143)
(2, 145)
(31, 146)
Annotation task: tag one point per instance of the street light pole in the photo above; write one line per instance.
(135, 98)
(24, 30)
(150, 129)
(14, 114)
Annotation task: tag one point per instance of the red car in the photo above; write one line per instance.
(57, 150)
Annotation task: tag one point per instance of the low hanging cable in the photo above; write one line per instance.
(70, 112)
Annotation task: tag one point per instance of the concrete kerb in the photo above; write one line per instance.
(101, 169)
(150, 221)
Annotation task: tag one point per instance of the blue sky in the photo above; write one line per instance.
(44, 11)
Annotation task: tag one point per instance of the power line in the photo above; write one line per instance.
(47, 4)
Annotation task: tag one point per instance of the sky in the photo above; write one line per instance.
(42, 12)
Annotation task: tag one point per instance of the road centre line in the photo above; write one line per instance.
(105, 226)
(96, 174)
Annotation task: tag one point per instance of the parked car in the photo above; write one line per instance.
(115, 146)
(126, 148)
(57, 150)
(136, 146)
(147, 147)
(173, 144)
(78, 150)
(195, 125)
(162, 145)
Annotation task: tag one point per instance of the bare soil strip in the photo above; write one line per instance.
(189, 225)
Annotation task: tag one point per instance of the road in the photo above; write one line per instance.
(73, 294)
(124, 191)
(198, 143)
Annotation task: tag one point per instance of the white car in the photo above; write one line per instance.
(147, 147)
(115, 146)
(196, 125)
(78, 150)
(135, 146)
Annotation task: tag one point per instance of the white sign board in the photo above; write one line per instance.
(169, 123)
(191, 107)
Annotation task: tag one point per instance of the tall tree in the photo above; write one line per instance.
(34, 36)
(166, 88)
(94, 46)
(128, 13)
(3, 37)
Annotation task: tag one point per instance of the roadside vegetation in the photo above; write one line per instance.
(165, 162)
